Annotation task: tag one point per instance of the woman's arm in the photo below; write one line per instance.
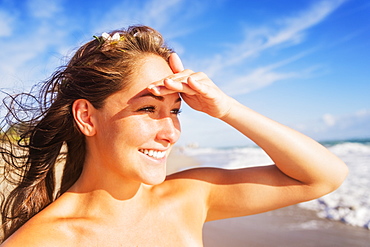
(303, 168)
(296, 155)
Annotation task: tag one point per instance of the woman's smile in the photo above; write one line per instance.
(156, 154)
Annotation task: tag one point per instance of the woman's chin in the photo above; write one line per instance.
(155, 178)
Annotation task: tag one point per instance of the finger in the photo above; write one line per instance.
(191, 86)
(170, 87)
(180, 79)
(163, 91)
(194, 84)
(178, 85)
(154, 89)
(175, 63)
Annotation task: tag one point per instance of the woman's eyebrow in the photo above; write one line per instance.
(149, 94)
(160, 98)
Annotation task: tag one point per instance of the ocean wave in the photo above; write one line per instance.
(351, 202)
(350, 148)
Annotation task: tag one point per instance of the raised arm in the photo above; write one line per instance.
(303, 169)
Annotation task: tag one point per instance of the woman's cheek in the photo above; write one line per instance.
(141, 130)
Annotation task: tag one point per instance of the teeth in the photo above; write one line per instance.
(153, 153)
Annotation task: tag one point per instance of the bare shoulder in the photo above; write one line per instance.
(195, 182)
(44, 229)
(38, 232)
(187, 193)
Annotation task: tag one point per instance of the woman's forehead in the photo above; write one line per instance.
(152, 69)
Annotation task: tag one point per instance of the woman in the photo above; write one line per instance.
(115, 106)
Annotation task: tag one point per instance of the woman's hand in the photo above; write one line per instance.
(197, 90)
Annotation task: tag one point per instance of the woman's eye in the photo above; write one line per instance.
(149, 109)
(176, 111)
(152, 109)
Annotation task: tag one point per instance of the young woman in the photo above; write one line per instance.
(115, 109)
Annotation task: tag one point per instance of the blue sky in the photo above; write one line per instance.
(303, 63)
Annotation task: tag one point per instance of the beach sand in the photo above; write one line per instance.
(288, 227)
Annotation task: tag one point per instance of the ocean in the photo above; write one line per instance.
(349, 204)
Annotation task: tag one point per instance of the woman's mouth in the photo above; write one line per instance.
(156, 154)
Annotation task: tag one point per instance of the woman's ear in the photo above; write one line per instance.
(83, 111)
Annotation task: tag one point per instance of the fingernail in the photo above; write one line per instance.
(181, 66)
(153, 88)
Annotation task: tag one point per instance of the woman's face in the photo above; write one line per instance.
(135, 130)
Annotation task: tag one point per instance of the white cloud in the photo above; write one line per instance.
(329, 120)
(44, 8)
(294, 27)
(30, 48)
(258, 78)
(286, 31)
(265, 76)
(330, 126)
(363, 113)
(159, 14)
(6, 23)
(33, 51)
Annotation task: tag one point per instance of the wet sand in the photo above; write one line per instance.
(288, 227)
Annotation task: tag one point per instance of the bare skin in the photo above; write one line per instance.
(123, 197)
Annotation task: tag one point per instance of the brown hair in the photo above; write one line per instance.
(37, 127)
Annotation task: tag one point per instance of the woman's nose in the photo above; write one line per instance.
(169, 130)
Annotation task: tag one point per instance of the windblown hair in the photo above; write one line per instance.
(39, 130)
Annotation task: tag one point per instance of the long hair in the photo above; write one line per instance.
(39, 130)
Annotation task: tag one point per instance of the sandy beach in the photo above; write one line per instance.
(288, 227)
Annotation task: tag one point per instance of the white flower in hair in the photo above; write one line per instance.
(107, 37)
(116, 37)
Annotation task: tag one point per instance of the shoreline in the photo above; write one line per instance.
(288, 227)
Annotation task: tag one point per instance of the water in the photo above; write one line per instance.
(349, 204)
